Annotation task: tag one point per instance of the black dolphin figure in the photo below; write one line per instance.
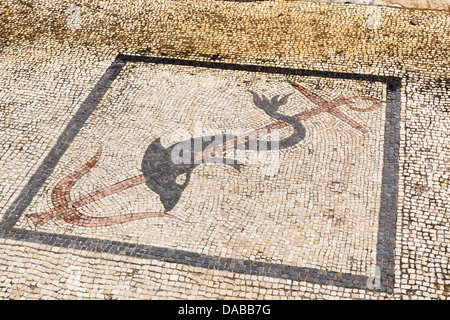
(162, 166)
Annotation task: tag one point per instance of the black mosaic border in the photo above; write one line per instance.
(388, 212)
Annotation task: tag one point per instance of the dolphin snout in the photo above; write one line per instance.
(170, 200)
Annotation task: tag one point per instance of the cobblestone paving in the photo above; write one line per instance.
(135, 161)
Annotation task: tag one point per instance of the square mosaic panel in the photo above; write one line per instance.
(259, 170)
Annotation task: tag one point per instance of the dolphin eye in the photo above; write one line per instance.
(181, 179)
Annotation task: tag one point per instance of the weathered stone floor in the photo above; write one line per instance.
(100, 198)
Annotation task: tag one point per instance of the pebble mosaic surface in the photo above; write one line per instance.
(349, 201)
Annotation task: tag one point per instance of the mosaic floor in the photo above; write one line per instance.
(286, 159)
